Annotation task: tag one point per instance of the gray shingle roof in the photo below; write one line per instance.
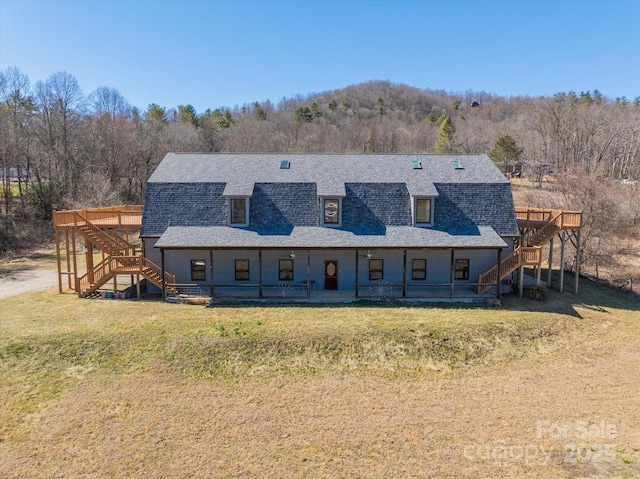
(320, 237)
(192, 190)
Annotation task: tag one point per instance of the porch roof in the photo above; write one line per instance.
(196, 237)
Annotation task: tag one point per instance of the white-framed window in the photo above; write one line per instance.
(239, 211)
(331, 211)
(423, 211)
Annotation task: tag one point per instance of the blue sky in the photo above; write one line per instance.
(225, 53)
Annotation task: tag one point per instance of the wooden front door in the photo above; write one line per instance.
(331, 274)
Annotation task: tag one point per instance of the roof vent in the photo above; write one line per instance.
(416, 165)
(457, 165)
(285, 164)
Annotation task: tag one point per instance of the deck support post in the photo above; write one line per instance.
(452, 273)
(499, 275)
(404, 273)
(89, 259)
(260, 292)
(578, 251)
(357, 267)
(68, 253)
(521, 281)
(75, 262)
(550, 263)
(562, 245)
(137, 285)
(58, 260)
(521, 273)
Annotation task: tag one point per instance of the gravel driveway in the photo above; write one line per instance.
(27, 281)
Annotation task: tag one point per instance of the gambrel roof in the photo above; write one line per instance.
(187, 197)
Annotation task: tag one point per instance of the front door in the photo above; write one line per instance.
(331, 274)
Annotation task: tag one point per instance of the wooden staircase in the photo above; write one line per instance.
(122, 258)
(521, 256)
(537, 226)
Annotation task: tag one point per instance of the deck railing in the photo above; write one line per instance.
(534, 217)
(116, 216)
(115, 243)
(100, 273)
(525, 256)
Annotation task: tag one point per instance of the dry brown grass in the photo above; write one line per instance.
(135, 389)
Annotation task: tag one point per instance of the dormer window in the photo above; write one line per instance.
(239, 211)
(422, 212)
(331, 211)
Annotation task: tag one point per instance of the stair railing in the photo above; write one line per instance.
(109, 241)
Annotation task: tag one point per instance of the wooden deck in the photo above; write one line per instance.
(535, 218)
(106, 229)
(121, 217)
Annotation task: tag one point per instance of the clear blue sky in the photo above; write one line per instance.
(225, 53)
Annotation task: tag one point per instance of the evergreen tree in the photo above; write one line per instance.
(316, 111)
(444, 143)
(156, 112)
(258, 112)
(304, 114)
(187, 114)
(506, 152)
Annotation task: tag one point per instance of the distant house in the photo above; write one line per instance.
(329, 225)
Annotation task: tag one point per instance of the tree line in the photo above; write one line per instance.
(60, 148)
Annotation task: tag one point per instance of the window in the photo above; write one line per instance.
(238, 211)
(286, 270)
(462, 269)
(242, 270)
(331, 211)
(375, 269)
(422, 211)
(198, 270)
(419, 269)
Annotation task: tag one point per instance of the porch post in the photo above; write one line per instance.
(404, 274)
(578, 251)
(452, 274)
(564, 240)
(308, 274)
(164, 283)
(357, 273)
(498, 276)
(211, 273)
(259, 273)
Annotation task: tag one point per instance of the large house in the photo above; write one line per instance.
(329, 225)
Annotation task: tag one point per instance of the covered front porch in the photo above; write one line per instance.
(332, 275)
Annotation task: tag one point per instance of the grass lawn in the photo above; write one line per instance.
(94, 388)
